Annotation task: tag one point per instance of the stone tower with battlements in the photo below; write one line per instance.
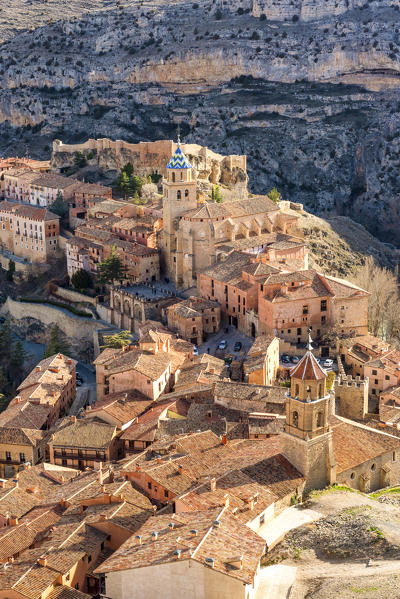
(307, 437)
(352, 397)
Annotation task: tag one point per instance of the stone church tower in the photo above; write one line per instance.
(307, 437)
(179, 190)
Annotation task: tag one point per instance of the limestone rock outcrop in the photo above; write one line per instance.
(308, 89)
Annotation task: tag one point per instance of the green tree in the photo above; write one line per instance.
(274, 195)
(17, 361)
(5, 343)
(121, 339)
(80, 160)
(123, 183)
(216, 194)
(81, 279)
(57, 342)
(10, 271)
(60, 206)
(135, 184)
(111, 268)
(128, 169)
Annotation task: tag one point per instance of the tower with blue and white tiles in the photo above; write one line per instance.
(179, 189)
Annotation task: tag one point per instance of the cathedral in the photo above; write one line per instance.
(195, 233)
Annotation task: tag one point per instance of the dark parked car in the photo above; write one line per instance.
(285, 359)
(237, 346)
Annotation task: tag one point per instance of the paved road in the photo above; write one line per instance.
(275, 582)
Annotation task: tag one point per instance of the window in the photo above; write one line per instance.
(89, 559)
(323, 319)
(149, 485)
(319, 419)
(166, 494)
(8, 455)
(387, 377)
(305, 309)
(186, 193)
(376, 381)
(178, 194)
(22, 457)
(373, 391)
(102, 545)
(64, 462)
(299, 331)
(373, 467)
(295, 419)
(394, 456)
(374, 372)
(296, 391)
(323, 305)
(262, 519)
(352, 475)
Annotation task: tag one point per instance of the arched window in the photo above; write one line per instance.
(181, 175)
(320, 390)
(186, 193)
(178, 194)
(295, 419)
(173, 177)
(308, 389)
(296, 390)
(320, 419)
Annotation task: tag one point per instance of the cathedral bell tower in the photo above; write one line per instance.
(179, 196)
(307, 436)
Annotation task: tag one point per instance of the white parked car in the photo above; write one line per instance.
(195, 351)
(328, 363)
(223, 344)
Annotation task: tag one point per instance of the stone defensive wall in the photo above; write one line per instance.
(79, 330)
(151, 157)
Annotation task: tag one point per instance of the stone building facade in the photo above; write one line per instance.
(194, 319)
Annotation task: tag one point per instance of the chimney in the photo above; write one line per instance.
(213, 484)
(63, 502)
(62, 479)
(251, 504)
(73, 419)
(59, 356)
(236, 562)
(138, 540)
(154, 535)
(103, 517)
(42, 561)
(224, 439)
(38, 369)
(226, 501)
(13, 520)
(217, 524)
(181, 469)
(2, 483)
(193, 532)
(154, 510)
(209, 562)
(11, 559)
(171, 525)
(138, 468)
(18, 399)
(178, 553)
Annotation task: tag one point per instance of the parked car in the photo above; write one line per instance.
(285, 359)
(78, 382)
(295, 359)
(237, 346)
(79, 377)
(223, 344)
(328, 363)
(195, 351)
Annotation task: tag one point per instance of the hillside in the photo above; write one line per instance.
(308, 89)
(352, 550)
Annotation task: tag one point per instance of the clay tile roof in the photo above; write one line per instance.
(355, 443)
(20, 436)
(221, 543)
(88, 433)
(261, 344)
(64, 592)
(230, 270)
(308, 369)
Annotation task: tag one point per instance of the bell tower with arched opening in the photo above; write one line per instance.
(308, 440)
(179, 196)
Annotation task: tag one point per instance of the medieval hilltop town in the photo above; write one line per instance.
(198, 389)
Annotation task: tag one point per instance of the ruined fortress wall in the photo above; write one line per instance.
(79, 330)
(148, 157)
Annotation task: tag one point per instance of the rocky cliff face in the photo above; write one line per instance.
(308, 89)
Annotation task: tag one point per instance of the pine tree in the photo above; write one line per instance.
(121, 339)
(60, 206)
(81, 279)
(57, 342)
(10, 271)
(123, 183)
(111, 268)
(17, 361)
(128, 169)
(216, 194)
(5, 346)
(274, 195)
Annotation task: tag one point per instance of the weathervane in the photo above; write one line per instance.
(179, 134)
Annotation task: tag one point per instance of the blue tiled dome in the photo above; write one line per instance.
(179, 160)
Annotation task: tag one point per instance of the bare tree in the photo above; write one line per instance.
(384, 302)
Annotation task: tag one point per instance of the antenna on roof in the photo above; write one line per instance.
(179, 134)
(309, 344)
